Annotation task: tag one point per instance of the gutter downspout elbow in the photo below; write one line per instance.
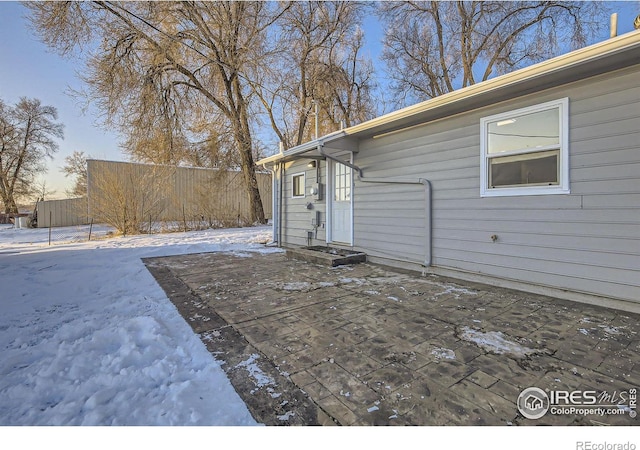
(333, 158)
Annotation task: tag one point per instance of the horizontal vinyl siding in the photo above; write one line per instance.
(395, 212)
(538, 273)
(587, 241)
(296, 217)
(616, 154)
(627, 232)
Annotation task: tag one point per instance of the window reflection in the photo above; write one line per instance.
(528, 131)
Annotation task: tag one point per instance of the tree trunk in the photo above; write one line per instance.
(251, 182)
(10, 206)
(6, 195)
(244, 141)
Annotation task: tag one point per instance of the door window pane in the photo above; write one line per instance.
(342, 183)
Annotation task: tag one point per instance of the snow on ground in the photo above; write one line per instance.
(87, 337)
(495, 342)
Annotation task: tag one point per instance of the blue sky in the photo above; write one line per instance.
(29, 69)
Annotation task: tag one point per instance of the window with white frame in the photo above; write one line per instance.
(526, 151)
(297, 181)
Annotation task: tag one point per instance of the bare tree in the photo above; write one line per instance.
(434, 47)
(316, 67)
(40, 191)
(349, 84)
(27, 138)
(128, 197)
(76, 166)
(156, 60)
(188, 82)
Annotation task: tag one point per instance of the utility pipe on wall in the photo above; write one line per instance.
(427, 187)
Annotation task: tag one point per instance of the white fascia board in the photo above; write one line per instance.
(560, 63)
(303, 148)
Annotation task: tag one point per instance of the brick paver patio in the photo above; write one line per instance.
(364, 345)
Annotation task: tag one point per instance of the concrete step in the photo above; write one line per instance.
(328, 256)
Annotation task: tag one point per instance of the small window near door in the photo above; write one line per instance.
(526, 151)
(297, 181)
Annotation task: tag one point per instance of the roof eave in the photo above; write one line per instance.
(297, 151)
(561, 64)
(561, 69)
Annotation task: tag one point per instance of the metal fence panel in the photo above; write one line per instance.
(169, 193)
(62, 213)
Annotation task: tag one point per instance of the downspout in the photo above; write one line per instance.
(276, 204)
(427, 188)
(280, 193)
(280, 202)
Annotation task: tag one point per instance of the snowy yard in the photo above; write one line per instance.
(87, 337)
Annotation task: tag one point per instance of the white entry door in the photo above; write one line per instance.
(341, 219)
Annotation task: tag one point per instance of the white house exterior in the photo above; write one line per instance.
(529, 180)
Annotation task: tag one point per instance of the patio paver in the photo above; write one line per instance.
(305, 344)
